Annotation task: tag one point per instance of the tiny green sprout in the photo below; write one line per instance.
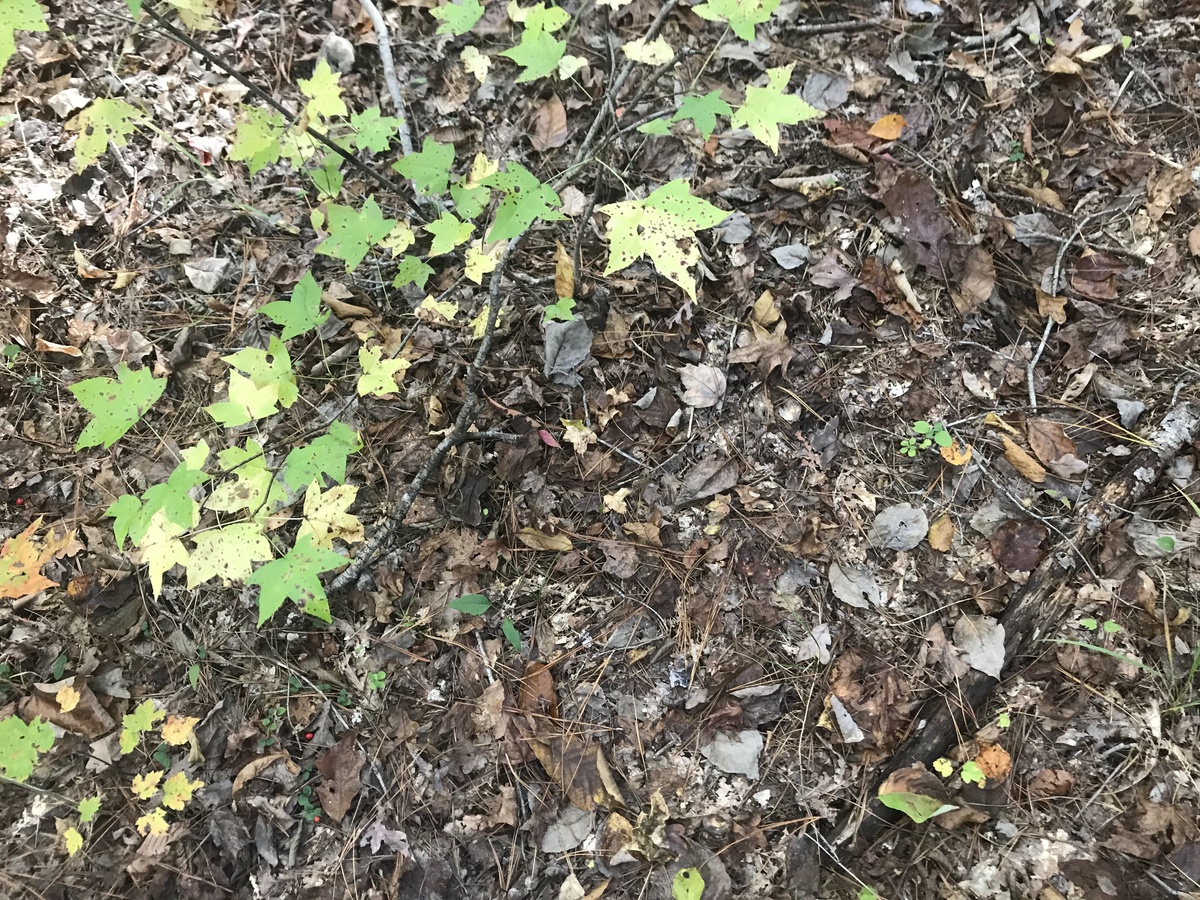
(971, 773)
(562, 311)
(1126, 40)
(1166, 543)
(1004, 720)
(376, 680)
(343, 697)
(511, 633)
(943, 766)
(193, 675)
(10, 354)
(1089, 623)
(867, 893)
(59, 666)
(1015, 153)
(1111, 627)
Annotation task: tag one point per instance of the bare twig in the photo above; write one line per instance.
(457, 435)
(389, 73)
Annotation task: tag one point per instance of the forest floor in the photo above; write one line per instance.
(704, 598)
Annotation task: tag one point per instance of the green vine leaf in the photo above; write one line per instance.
(428, 169)
(257, 140)
(457, 17)
(412, 270)
(261, 379)
(539, 52)
(742, 15)
(353, 233)
(525, 200)
(117, 405)
(448, 232)
(18, 15)
(295, 577)
(105, 122)
(21, 745)
(301, 313)
(658, 227)
(323, 92)
(766, 108)
(326, 455)
(138, 722)
(373, 131)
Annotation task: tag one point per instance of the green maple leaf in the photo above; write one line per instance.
(21, 745)
(132, 517)
(302, 312)
(742, 15)
(447, 233)
(766, 108)
(457, 17)
(254, 487)
(429, 169)
(469, 201)
(257, 140)
(18, 15)
(88, 807)
(323, 93)
(373, 131)
(353, 233)
(260, 380)
(688, 885)
(228, 553)
(105, 121)
(378, 374)
(247, 402)
(525, 199)
(115, 405)
(138, 722)
(412, 271)
(562, 311)
(328, 177)
(539, 51)
(703, 111)
(295, 577)
(325, 455)
(658, 227)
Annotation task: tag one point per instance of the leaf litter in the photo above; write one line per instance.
(767, 293)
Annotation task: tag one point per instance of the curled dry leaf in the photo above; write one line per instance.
(1057, 452)
(941, 533)
(995, 763)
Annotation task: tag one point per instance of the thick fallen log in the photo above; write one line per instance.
(1033, 615)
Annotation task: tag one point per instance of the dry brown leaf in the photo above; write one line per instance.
(86, 717)
(340, 767)
(256, 767)
(1063, 65)
(1194, 241)
(1051, 306)
(536, 696)
(577, 765)
(1057, 452)
(22, 559)
(1051, 783)
(1027, 467)
(539, 540)
(564, 272)
(941, 533)
(978, 281)
(549, 125)
(703, 385)
(1017, 546)
(995, 763)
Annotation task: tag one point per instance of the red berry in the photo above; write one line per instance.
(20, 501)
(316, 819)
(308, 736)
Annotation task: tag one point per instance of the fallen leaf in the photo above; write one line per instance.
(1048, 783)
(957, 454)
(256, 767)
(916, 792)
(568, 345)
(22, 559)
(1050, 444)
(550, 129)
(703, 385)
(1027, 467)
(735, 754)
(980, 639)
(564, 272)
(941, 533)
(995, 762)
(340, 766)
(899, 527)
(710, 476)
(855, 586)
(1017, 546)
(539, 540)
(888, 128)
(568, 831)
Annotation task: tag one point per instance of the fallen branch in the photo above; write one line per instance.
(1034, 614)
(389, 73)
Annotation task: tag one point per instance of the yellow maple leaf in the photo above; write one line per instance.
(73, 841)
(177, 790)
(144, 786)
(154, 822)
(177, 730)
(325, 516)
(68, 698)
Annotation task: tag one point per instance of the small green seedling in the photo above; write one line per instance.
(562, 311)
(926, 435)
(376, 680)
(1108, 627)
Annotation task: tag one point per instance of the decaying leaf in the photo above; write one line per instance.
(340, 766)
(980, 639)
(703, 385)
(1027, 467)
(22, 560)
(1057, 452)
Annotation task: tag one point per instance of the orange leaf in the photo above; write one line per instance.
(957, 454)
(22, 559)
(888, 128)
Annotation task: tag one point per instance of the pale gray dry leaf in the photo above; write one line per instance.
(816, 645)
(379, 834)
(825, 91)
(207, 274)
(568, 831)
(980, 640)
(855, 586)
(708, 477)
(703, 385)
(899, 527)
(568, 344)
(735, 228)
(849, 729)
(1030, 229)
(620, 560)
(791, 256)
(736, 754)
(1130, 411)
